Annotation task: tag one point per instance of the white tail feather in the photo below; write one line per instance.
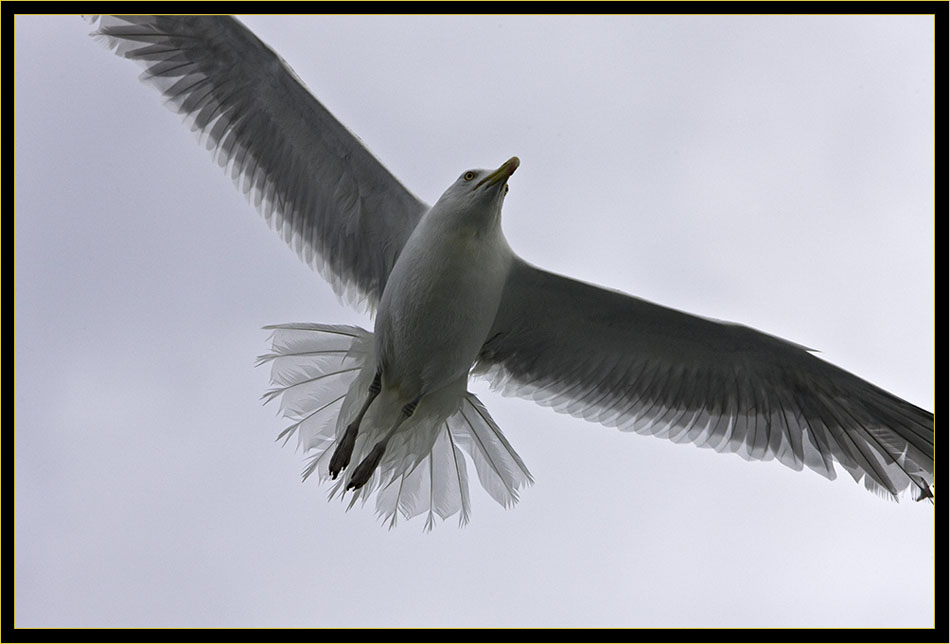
(321, 374)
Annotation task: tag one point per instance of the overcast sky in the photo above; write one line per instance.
(774, 171)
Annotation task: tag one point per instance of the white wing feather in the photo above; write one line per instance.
(624, 362)
(313, 181)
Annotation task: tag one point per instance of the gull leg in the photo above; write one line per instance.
(344, 449)
(368, 465)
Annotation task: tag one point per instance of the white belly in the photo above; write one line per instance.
(438, 307)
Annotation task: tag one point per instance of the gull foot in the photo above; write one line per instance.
(343, 451)
(365, 469)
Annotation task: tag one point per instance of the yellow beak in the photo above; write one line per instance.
(501, 174)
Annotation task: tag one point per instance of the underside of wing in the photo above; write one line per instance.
(621, 361)
(315, 183)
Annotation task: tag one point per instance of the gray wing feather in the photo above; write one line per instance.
(622, 361)
(315, 183)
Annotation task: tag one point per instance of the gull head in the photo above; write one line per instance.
(477, 195)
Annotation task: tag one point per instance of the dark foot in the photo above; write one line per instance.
(343, 451)
(366, 468)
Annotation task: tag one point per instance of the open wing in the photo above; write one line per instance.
(314, 181)
(622, 361)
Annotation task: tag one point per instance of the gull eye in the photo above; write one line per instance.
(468, 176)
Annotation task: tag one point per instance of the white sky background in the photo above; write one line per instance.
(775, 171)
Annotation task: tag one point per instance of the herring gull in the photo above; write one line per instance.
(388, 414)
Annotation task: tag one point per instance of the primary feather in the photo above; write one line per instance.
(326, 195)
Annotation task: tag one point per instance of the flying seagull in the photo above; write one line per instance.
(388, 413)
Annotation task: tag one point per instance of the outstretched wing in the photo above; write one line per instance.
(314, 181)
(621, 361)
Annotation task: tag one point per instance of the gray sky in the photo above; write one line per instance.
(774, 171)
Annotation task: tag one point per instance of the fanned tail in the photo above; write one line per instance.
(321, 373)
